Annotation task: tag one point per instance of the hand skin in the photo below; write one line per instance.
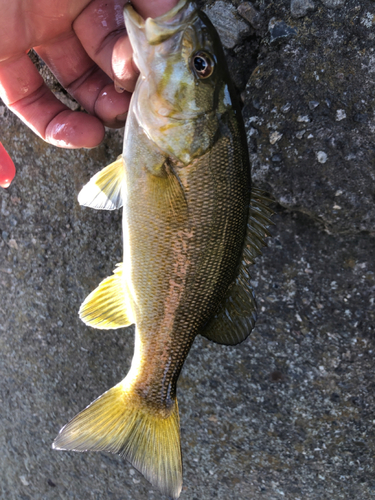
(85, 45)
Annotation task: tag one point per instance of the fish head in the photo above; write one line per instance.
(184, 85)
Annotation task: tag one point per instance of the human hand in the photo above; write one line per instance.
(85, 45)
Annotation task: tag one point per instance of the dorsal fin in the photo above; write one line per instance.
(104, 190)
(236, 315)
(108, 307)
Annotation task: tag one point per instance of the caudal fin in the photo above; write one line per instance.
(119, 422)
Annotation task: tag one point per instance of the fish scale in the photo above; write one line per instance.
(191, 226)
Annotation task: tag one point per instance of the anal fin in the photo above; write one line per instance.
(107, 307)
(104, 190)
(236, 315)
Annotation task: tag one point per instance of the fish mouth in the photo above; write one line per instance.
(160, 28)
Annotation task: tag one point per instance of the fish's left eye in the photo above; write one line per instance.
(203, 64)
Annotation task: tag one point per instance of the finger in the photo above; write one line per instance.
(106, 106)
(153, 8)
(102, 33)
(25, 93)
(84, 80)
(7, 168)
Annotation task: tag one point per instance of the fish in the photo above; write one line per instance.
(192, 225)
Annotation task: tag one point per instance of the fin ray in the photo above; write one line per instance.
(107, 307)
(120, 422)
(104, 190)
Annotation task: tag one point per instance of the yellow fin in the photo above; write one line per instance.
(236, 314)
(107, 307)
(104, 190)
(121, 422)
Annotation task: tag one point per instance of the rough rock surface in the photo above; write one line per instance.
(228, 23)
(316, 90)
(288, 414)
(300, 8)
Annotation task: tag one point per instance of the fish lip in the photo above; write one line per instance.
(132, 16)
(162, 27)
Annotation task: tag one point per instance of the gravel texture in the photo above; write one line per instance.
(288, 414)
(314, 85)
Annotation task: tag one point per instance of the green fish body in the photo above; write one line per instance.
(191, 226)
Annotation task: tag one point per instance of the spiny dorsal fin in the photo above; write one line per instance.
(107, 307)
(120, 422)
(236, 315)
(104, 190)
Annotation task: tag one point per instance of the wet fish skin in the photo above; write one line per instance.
(184, 183)
(179, 212)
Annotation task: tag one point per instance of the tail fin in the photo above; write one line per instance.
(119, 422)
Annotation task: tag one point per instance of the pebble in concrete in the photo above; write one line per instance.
(300, 8)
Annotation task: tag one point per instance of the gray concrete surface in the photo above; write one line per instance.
(288, 414)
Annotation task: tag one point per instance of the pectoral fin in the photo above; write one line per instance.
(104, 190)
(108, 306)
(236, 315)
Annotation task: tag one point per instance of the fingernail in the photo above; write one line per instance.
(118, 88)
(122, 118)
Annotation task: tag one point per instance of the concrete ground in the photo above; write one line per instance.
(288, 414)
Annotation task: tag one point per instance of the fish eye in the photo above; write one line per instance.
(203, 64)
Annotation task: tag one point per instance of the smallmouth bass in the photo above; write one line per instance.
(191, 227)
